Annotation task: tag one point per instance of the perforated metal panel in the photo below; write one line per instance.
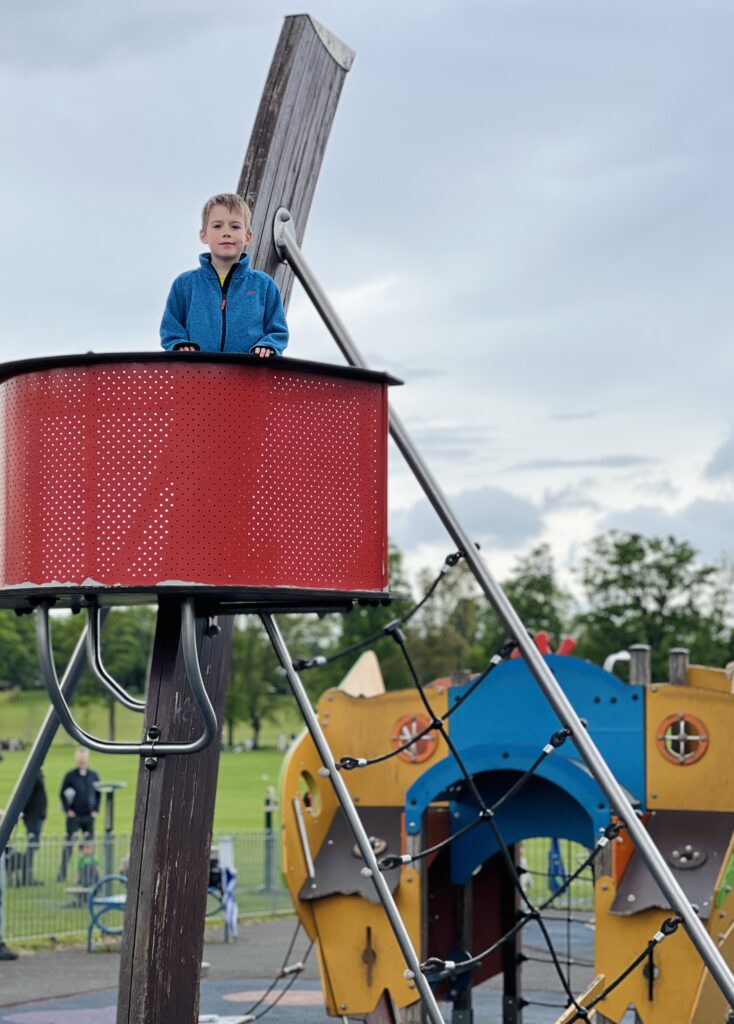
(128, 474)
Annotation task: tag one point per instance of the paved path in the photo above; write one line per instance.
(74, 987)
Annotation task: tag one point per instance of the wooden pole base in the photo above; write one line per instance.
(174, 812)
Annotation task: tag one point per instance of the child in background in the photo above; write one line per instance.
(87, 868)
(225, 305)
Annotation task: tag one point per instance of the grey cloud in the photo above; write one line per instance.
(602, 462)
(571, 497)
(491, 515)
(706, 524)
(722, 462)
(455, 441)
(574, 415)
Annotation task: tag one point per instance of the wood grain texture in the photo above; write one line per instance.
(169, 860)
(289, 137)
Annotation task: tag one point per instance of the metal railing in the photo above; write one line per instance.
(39, 904)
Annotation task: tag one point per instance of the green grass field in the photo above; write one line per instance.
(243, 777)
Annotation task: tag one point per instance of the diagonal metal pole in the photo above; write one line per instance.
(347, 805)
(42, 742)
(289, 250)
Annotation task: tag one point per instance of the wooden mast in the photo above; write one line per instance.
(169, 861)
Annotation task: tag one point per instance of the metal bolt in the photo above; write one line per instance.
(150, 763)
(653, 796)
(631, 898)
(324, 773)
(408, 975)
(366, 872)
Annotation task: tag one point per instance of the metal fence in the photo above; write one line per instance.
(41, 900)
(547, 863)
(41, 903)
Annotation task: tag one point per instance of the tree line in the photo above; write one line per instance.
(629, 589)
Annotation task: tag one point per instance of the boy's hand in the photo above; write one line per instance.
(262, 351)
(185, 348)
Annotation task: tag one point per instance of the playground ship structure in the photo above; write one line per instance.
(669, 744)
(214, 484)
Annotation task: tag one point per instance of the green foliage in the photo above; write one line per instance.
(652, 590)
(250, 696)
(18, 664)
(441, 637)
(540, 602)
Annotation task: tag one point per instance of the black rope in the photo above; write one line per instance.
(668, 927)
(291, 972)
(288, 984)
(393, 860)
(349, 763)
(487, 815)
(304, 664)
(436, 964)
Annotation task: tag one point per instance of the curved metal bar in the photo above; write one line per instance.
(150, 748)
(94, 657)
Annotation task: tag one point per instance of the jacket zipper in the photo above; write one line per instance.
(225, 289)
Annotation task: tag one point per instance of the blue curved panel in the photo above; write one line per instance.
(501, 730)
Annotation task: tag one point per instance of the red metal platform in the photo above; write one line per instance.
(123, 475)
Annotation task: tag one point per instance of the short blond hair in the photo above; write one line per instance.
(232, 202)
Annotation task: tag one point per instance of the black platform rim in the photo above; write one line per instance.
(284, 599)
(20, 367)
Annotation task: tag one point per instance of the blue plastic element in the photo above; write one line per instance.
(101, 902)
(500, 732)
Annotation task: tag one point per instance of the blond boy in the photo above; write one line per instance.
(224, 305)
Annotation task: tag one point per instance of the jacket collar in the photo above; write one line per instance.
(205, 261)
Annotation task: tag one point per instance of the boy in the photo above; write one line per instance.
(87, 868)
(225, 305)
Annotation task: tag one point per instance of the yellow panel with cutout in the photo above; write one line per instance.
(359, 952)
(362, 727)
(690, 733)
(619, 939)
(368, 727)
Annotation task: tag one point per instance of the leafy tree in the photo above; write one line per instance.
(652, 590)
(442, 636)
(350, 628)
(537, 597)
(250, 696)
(18, 662)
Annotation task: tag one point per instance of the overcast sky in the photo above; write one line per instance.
(525, 211)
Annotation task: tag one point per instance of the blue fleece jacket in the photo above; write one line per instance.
(238, 316)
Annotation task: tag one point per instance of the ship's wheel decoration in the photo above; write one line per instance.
(405, 729)
(542, 642)
(682, 738)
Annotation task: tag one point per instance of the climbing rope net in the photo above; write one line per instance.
(435, 968)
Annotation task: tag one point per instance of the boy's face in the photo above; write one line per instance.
(225, 234)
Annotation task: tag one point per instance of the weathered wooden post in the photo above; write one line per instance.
(640, 670)
(164, 926)
(678, 666)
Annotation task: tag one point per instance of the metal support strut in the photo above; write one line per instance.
(152, 748)
(289, 252)
(94, 656)
(358, 831)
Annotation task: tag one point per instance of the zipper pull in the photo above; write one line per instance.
(224, 303)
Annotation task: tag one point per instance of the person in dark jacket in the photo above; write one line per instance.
(34, 815)
(5, 953)
(80, 803)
